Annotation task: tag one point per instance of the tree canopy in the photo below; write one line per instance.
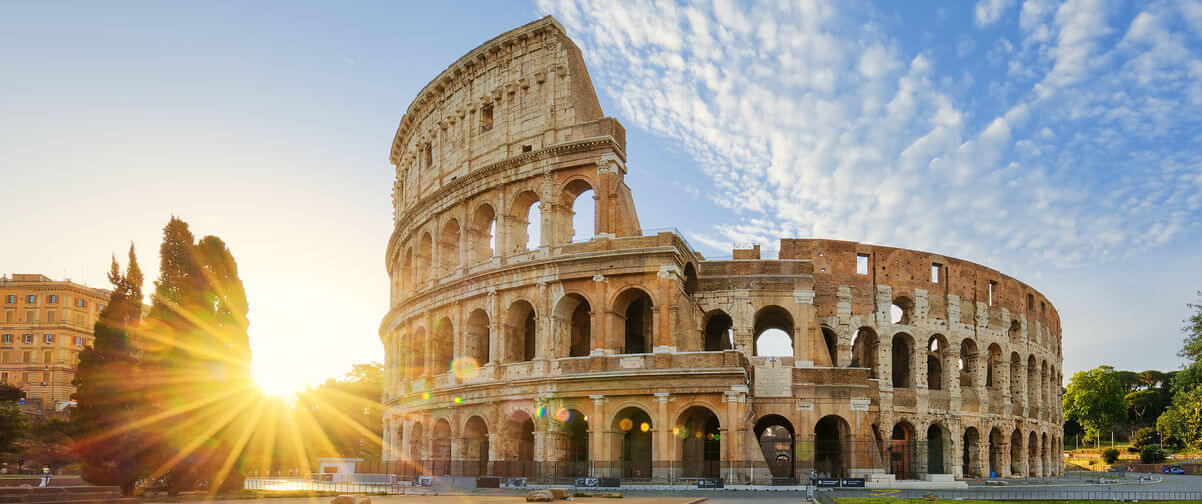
(1095, 399)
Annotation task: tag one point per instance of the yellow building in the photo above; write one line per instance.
(44, 324)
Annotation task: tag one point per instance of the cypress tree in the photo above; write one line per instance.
(108, 389)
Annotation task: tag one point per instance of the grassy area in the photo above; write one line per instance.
(887, 500)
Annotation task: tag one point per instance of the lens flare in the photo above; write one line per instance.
(425, 396)
(458, 400)
(563, 414)
(540, 412)
(465, 368)
(644, 426)
(625, 424)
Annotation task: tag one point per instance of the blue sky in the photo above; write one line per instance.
(1057, 142)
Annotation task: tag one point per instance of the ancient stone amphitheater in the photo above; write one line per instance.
(517, 344)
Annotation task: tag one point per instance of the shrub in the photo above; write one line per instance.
(1144, 437)
(1110, 455)
(1152, 455)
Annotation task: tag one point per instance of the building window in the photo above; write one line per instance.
(81, 303)
(3, 377)
(29, 338)
(78, 341)
(26, 357)
(4, 355)
(25, 377)
(49, 338)
(12, 298)
(53, 298)
(992, 289)
(861, 264)
(935, 267)
(31, 316)
(8, 338)
(100, 307)
(32, 298)
(50, 316)
(486, 118)
(47, 356)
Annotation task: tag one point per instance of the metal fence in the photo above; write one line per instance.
(1020, 494)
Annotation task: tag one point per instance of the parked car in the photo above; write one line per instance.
(1172, 470)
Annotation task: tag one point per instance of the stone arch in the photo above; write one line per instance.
(573, 191)
(939, 449)
(997, 452)
(1016, 453)
(573, 321)
(448, 247)
(971, 453)
(778, 320)
(440, 447)
(1033, 465)
(992, 365)
(831, 437)
(476, 337)
(719, 331)
(777, 438)
(864, 350)
(831, 343)
(698, 430)
(1016, 378)
(475, 446)
(417, 354)
(902, 451)
(936, 348)
(902, 310)
(572, 429)
(482, 233)
(690, 279)
(633, 441)
(522, 225)
(521, 330)
(638, 316)
(968, 362)
(407, 272)
(425, 253)
(902, 355)
(442, 347)
(1033, 388)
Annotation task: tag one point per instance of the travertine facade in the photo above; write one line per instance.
(627, 353)
(44, 324)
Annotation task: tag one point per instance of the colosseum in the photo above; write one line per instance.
(518, 345)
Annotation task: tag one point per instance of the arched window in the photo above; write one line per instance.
(476, 338)
(521, 329)
(425, 250)
(1016, 378)
(719, 332)
(690, 279)
(936, 348)
(573, 318)
(578, 197)
(407, 272)
(993, 365)
(773, 332)
(483, 233)
(634, 445)
(448, 247)
(700, 442)
(903, 350)
(863, 350)
(524, 228)
(443, 346)
(417, 354)
(902, 310)
(776, 436)
(638, 329)
(475, 446)
(831, 340)
(831, 450)
(517, 445)
(968, 362)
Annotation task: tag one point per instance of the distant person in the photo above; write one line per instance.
(45, 476)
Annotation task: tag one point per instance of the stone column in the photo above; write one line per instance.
(596, 429)
(661, 431)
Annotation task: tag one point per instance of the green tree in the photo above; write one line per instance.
(1140, 402)
(1129, 379)
(198, 351)
(109, 389)
(1192, 349)
(10, 393)
(12, 426)
(1183, 420)
(348, 412)
(1094, 399)
(49, 442)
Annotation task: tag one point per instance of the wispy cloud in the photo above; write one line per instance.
(812, 119)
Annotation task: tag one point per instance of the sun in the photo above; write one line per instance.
(278, 380)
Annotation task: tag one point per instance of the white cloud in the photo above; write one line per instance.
(989, 11)
(810, 120)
